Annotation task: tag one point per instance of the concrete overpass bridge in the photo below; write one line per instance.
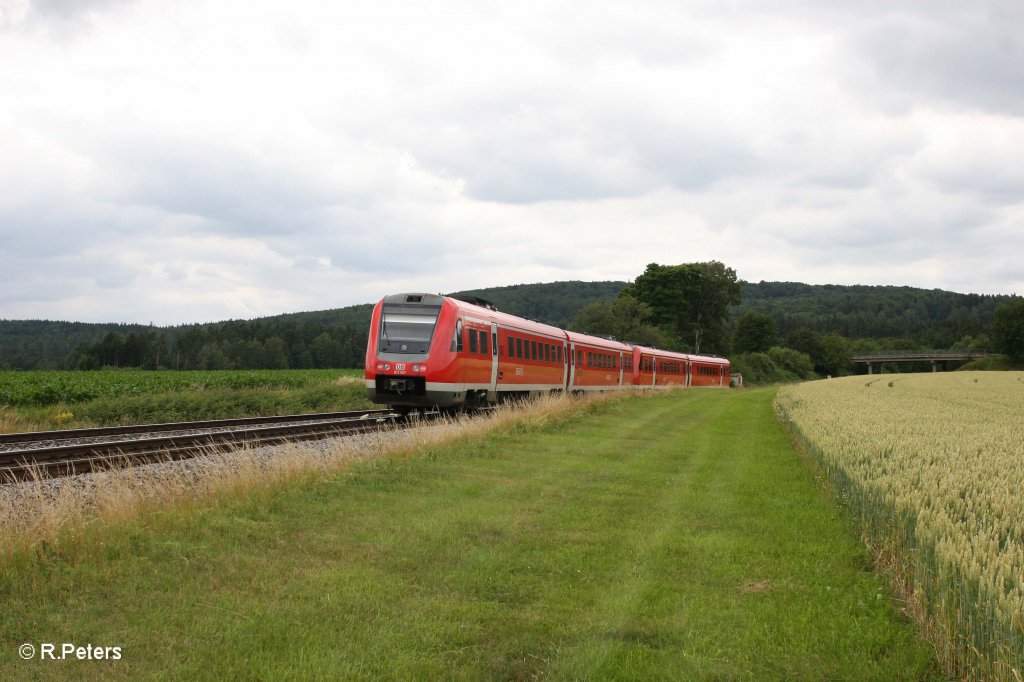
(932, 356)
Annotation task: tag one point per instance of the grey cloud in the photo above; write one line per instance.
(566, 154)
(236, 192)
(62, 20)
(62, 226)
(997, 180)
(964, 54)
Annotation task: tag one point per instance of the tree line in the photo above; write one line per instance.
(693, 307)
(259, 344)
(794, 331)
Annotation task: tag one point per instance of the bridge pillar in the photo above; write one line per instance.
(935, 365)
(870, 368)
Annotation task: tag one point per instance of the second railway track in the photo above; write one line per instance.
(62, 453)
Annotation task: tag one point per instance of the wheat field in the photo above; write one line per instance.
(932, 468)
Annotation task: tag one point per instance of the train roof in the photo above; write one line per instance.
(484, 310)
(709, 359)
(600, 342)
(705, 359)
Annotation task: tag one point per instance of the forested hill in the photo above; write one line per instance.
(556, 303)
(43, 344)
(924, 318)
(326, 338)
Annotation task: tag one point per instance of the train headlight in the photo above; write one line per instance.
(419, 368)
(383, 366)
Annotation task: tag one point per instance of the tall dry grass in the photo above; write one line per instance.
(41, 512)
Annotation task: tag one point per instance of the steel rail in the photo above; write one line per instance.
(69, 434)
(76, 458)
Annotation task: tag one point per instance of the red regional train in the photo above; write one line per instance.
(426, 351)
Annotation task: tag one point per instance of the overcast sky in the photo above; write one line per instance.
(187, 161)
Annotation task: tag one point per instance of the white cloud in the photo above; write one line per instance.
(188, 161)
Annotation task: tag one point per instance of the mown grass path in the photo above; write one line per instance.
(675, 537)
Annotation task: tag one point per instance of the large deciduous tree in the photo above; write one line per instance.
(690, 301)
(754, 333)
(623, 318)
(1008, 329)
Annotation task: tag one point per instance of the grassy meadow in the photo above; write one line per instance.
(34, 401)
(932, 468)
(673, 537)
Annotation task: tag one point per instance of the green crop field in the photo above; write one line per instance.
(932, 466)
(40, 400)
(667, 537)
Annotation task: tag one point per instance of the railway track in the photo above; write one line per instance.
(63, 453)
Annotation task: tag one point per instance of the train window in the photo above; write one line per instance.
(472, 340)
(547, 352)
(579, 357)
(559, 353)
(494, 342)
(511, 347)
(483, 343)
(519, 347)
(533, 350)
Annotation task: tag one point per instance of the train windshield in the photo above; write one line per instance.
(408, 330)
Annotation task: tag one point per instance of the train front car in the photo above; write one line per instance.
(406, 349)
(426, 351)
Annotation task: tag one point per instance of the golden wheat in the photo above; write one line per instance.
(933, 467)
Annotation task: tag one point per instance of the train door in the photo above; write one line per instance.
(572, 365)
(492, 390)
(565, 365)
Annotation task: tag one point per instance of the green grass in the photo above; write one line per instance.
(50, 400)
(675, 537)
